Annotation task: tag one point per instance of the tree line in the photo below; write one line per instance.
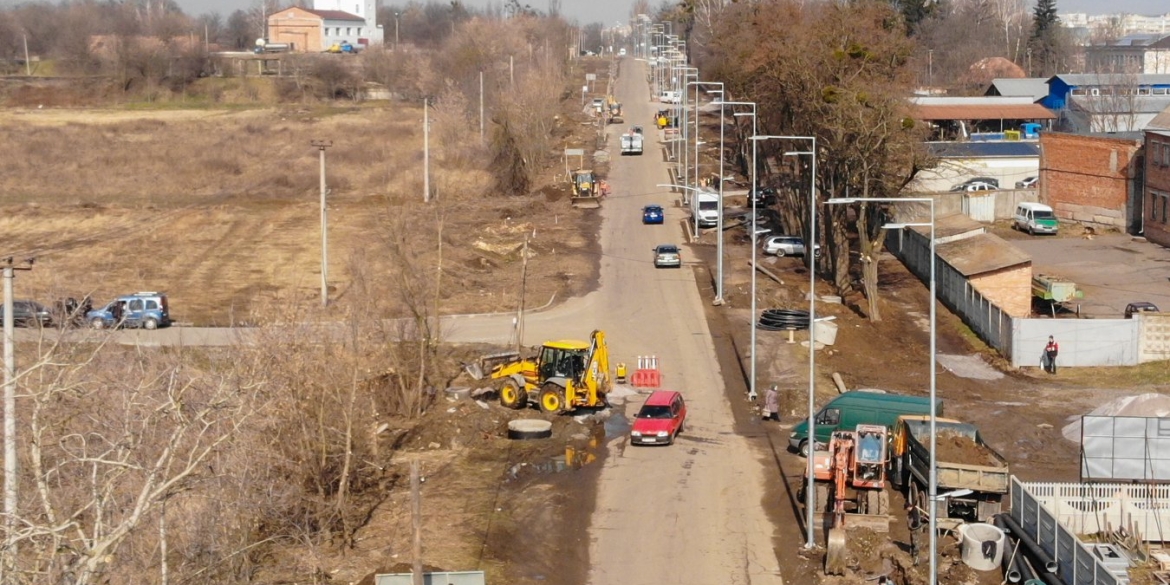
(842, 72)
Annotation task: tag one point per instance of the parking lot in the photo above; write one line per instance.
(1112, 270)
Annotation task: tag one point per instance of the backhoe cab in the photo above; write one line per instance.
(563, 376)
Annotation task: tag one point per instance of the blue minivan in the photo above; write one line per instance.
(145, 310)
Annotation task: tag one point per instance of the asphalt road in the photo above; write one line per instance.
(691, 512)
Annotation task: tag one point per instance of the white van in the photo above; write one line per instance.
(705, 208)
(1035, 218)
(670, 97)
(622, 53)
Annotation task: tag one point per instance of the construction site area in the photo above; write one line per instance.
(546, 325)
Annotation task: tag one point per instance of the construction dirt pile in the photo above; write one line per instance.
(1140, 405)
(957, 448)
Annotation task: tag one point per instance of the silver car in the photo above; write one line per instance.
(667, 256)
(787, 246)
(1028, 183)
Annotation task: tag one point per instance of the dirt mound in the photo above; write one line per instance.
(956, 448)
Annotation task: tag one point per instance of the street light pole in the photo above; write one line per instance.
(933, 480)
(321, 145)
(810, 251)
(753, 194)
(395, 31)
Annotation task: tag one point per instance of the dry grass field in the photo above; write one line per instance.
(219, 208)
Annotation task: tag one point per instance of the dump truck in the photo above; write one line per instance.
(632, 141)
(975, 475)
(561, 377)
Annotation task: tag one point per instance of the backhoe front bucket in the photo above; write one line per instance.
(836, 554)
(589, 202)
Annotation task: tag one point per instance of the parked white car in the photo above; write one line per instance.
(1028, 183)
(787, 246)
(971, 186)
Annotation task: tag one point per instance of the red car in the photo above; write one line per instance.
(660, 420)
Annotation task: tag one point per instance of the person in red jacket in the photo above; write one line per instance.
(1050, 352)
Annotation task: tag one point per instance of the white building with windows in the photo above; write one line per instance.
(316, 29)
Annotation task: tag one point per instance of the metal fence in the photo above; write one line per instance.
(1076, 563)
(450, 578)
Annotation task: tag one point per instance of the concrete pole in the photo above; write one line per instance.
(481, 107)
(321, 146)
(11, 464)
(10, 477)
(933, 413)
(27, 64)
(426, 152)
(719, 241)
(810, 250)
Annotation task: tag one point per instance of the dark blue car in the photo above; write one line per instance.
(653, 214)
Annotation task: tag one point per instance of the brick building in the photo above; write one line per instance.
(1093, 179)
(1156, 196)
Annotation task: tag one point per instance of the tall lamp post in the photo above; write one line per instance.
(810, 252)
(688, 73)
(719, 221)
(395, 31)
(933, 488)
(752, 193)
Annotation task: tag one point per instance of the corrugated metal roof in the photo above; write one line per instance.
(1034, 88)
(1078, 79)
(983, 149)
(1028, 111)
(1121, 104)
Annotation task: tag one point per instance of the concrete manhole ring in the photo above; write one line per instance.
(529, 428)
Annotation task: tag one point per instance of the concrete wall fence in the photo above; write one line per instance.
(1083, 342)
(979, 205)
(989, 322)
(1076, 564)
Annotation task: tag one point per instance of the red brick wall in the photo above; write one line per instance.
(1156, 192)
(1087, 179)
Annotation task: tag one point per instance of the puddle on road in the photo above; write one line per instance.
(617, 425)
(575, 457)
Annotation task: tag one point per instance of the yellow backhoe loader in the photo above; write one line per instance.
(586, 190)
(563, 376)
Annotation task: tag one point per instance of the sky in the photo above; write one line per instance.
(611, 11)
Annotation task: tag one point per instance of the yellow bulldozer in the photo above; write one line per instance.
(563, 376)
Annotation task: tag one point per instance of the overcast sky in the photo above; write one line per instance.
(611, 11)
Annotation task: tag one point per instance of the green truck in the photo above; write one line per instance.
(859, 407)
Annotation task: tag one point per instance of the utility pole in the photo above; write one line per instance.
(416, 524)
(481, 107)
(10, 464)
(27, 64)
(426, 152)
(520, 307)
(512, 71)
(321, 145)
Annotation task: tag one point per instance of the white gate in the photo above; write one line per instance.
(980, 206)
